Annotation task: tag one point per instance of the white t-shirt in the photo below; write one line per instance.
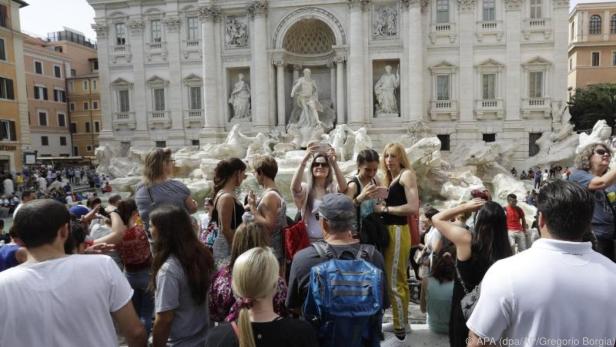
(556, 293)
(8, 186)
(62, 302)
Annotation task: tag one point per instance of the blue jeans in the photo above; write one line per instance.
(143, 300)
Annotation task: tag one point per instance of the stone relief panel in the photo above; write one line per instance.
(236, 32)
(385, 22)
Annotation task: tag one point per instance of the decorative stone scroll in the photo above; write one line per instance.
(258, 8)
(209, 13)
(100, 29)
(361, 4)
(513, 5)
(466, 5)
(173, 24)
(385, 22)
(136, 26)
(236, 32)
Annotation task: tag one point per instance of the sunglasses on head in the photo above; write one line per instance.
(602, 152)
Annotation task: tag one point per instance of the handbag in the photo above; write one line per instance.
(295, 238)
(470, 299)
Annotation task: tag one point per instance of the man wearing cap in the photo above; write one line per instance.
(336, 216)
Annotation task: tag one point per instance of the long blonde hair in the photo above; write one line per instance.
(255, 276)
(397, 150)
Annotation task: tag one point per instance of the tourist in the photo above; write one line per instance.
(592, 172)
(26, 196)
(336, 220)
(181, 272)
(516, 224)
(523, 175)
(255, 274)
(514, 172)
(271, 209)
(437, 290)
(59, 300)
(560, 291)
(228, 176)
(9, 186)
(545, 176)
(133, 247)
(402, 201)
(158, 188)
(76, 241)
(208, 207)
(364, 185)
(475, 253)
(537, 184)
(19, 182)
(223, 305)
(307, 196)
(11, 254)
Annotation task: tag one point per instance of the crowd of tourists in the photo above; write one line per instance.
(143, 270)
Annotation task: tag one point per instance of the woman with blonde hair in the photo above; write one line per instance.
(402, 201)
(158, 188)
(255, 277)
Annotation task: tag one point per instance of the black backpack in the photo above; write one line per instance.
(371, 229)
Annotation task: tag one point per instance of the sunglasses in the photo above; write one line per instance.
(320, 165)
(602, 152)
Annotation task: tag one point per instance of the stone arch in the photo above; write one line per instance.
(309, 13)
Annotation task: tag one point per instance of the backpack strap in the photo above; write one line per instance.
(323, 249)
(359, 187)
(365, 252)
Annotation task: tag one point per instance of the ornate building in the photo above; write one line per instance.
(473, 70)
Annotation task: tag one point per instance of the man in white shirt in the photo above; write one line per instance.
(57, 300)
(557, 293)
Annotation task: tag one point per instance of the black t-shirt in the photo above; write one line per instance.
(305, 259)
(284, 332)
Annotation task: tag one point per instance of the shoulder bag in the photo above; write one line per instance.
(469, 301)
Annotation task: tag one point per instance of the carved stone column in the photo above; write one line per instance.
(467, 38)
(209, 15)
(107, 110)
(513, 63)
(415, 55)
(280, 99)
(260, 64)
(356, 66)
(340, 99)
(332, 81)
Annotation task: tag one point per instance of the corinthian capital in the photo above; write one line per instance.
(258, 8)
(361, 4)
(209, 13)
(100, 29)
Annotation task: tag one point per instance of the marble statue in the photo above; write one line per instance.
(601, 133)
(236, 33)
(386, 23)
(362, 141)
(306, 106)
(385, 90)
(240, 99)
(338, 138)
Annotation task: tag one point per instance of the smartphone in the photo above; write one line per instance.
(381, 193)
(477, 193)
(323, 147)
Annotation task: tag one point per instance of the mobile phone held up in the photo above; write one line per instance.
(478, 193)
(381, 193)
(323, 147)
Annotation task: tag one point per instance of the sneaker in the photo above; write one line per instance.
(389, 328)
(396, 342)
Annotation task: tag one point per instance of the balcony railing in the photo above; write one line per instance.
(537, 25)
(121, 50)
(534, 105)
(192, 43)
(156, 45)
(443, 30)
(444, 107)
(124, 120)
(489, 28)
(159, 119)
(484, 107)
(193, 118)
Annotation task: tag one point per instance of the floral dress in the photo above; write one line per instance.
(224, 307)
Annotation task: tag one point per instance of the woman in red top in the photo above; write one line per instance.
(132, 244)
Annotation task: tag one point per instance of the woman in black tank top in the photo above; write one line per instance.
(402, 201)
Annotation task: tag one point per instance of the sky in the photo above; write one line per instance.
(41, 17)
(45, 16)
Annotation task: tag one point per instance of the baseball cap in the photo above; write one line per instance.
(78, 211)
(337, 207)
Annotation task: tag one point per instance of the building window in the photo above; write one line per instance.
(85, 106)
(59, 95)
(85, 85)
(94, 65)
(57, 71)
(192, 28)
(120, 31)
(595, 25)
(6, 89)
(595, 58)
(87, 127)
(161, 144)
(155, 30)
(614, 58)
(442, 87)
(42, 119)
(535, 9)
(4, 16)
(97, 127)
(62, 141)
(44, 141)
(535, 84)
(75, 150)
(58, 49)
(89, 148)
(94, 85)
(572, 30)
(159, 99)
(195, 98)
(613, 24)
(2, 50)
(445, 145)
(442, 11)
(95, 105)
(488, 86)
(489, 10)
(489, 137)
(73, 72)
(195, 142)
(40, 93)
(73, 128)
(8, 130)
(38, 67)
(61, 120)
(533, 148)
(71, 107)
(71, 86)
(124, 101)
(570, 64)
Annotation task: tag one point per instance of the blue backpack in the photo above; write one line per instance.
(345, 298)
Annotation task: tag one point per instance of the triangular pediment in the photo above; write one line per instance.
(192, 77)
(443, 66)
(490, 63)
(538, 61)
(121, 82)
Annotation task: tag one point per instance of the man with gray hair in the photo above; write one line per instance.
(336, 216)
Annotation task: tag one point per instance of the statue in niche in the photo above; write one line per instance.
(236, 33)
(385, 90)
(240, 98)
(386, 22)
(306, 106)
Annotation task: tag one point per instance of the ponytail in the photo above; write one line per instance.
(224, 170)
(245, 333)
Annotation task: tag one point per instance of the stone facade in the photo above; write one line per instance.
(473, 70)
(592, 45)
